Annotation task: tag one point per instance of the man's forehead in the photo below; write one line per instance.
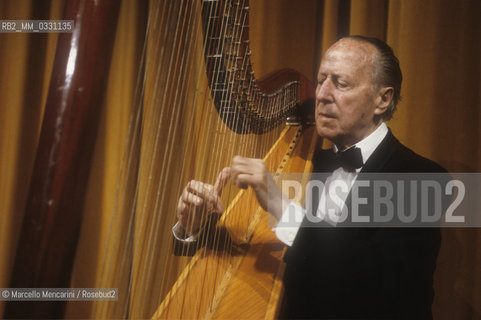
(353, 42)
(349, 53)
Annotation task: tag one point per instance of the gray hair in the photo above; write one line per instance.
(387, 71)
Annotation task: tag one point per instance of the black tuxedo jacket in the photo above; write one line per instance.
(364, 273)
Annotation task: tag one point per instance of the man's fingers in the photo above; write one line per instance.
(239, 169)
(199, 188)
(198, 194)
(247, 165)
(241, 164)
(221, 181)
(191, 199)
(243, 180)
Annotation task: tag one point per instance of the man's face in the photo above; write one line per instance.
(346, 102)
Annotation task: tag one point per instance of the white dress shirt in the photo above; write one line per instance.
(329, 208)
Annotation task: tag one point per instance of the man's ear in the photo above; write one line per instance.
(383, 100)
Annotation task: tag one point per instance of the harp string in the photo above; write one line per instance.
(213, 166)
(231, 66)
(226, 98)
(148, 243)
(199, 285)
(123, 203)
(126, 258)
(167, 165)
(210, 167)
(137, 224)
(243, 144)
(167, 270)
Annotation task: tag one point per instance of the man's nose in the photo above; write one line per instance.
(324, 91)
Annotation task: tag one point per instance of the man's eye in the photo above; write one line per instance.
(342, 84)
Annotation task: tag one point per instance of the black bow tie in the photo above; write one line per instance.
(350, 159)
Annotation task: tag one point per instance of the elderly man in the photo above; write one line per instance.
(343, 272)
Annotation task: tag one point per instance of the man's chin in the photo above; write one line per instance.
(326, 132)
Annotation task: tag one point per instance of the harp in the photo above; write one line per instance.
(198, 105)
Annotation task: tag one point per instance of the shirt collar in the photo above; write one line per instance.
(370, 143)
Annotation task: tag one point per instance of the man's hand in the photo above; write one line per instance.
(198, 200)
(253, 172)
